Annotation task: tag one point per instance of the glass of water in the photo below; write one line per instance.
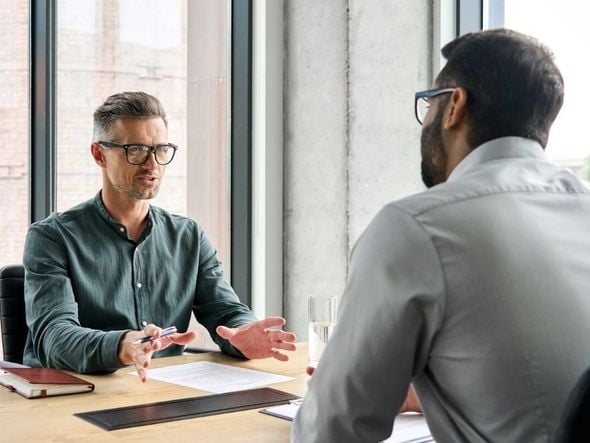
(322, 319)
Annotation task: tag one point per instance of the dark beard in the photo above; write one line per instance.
(434, 159)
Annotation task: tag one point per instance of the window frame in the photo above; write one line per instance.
(477, 15)
(42, 122)
(241, 149)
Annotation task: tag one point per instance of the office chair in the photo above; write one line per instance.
(12, 312)
(575, 427)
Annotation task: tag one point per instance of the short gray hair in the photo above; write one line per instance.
(125, 104)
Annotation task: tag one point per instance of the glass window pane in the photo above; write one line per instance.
(208, 131)
(14, 138)
(560, 25)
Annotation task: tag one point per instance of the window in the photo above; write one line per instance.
(560, 25)
(14, 120)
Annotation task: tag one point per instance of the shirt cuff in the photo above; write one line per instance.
(110, 350)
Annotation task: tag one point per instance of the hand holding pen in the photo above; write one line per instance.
(137, 347)
(148, 338)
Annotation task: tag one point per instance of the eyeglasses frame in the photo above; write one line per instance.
(152, 150)
(429, 93)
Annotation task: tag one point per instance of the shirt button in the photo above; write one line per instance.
(144, 323)
(122, 229)
(139, 285)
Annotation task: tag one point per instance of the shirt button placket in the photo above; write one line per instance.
(139, 287)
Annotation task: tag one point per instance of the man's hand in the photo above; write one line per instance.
(257, 340)
(410, 404)
(140, 354)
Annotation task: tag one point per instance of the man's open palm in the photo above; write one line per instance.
(258, 340)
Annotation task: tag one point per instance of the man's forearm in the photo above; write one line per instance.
(79, 349)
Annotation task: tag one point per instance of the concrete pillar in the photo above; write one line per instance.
(390, 59)
(316, 153)
(351, 140)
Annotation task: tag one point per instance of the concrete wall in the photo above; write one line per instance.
(351, 139)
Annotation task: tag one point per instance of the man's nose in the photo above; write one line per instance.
(151, 160)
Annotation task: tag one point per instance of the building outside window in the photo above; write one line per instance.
(14, 121)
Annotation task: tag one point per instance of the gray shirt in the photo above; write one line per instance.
(87, 283)
(478, 292)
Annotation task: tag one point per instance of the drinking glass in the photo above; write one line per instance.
(321, 322)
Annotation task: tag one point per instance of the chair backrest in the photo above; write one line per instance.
(575, 427)
(12, 312)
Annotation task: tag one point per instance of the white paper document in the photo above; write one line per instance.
(286, 412)
(215, 377)
(410, 428)
(407, 428)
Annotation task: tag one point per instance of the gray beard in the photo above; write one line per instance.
(136, 194)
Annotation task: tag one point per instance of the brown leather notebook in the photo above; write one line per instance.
(42, 382)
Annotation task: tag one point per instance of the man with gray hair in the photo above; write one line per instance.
(114, 269)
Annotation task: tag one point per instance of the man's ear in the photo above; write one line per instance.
(456, 108)
(98, 155)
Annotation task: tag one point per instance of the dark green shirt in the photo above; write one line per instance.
(87, 283)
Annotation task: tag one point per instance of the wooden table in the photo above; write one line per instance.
(52, 419)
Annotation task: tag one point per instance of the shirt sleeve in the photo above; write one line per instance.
(55, 334)
(216, 303)
(391, 309)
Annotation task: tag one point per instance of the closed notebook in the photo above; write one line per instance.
(42, 382)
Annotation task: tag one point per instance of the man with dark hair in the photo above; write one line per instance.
(477, 290)
(112, 270)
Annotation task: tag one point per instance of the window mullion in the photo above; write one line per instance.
(42, 150)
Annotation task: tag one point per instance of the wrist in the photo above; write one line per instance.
(122, 354)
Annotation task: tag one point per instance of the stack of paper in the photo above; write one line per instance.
(410, 428)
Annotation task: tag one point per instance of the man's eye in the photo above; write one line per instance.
(137, 148)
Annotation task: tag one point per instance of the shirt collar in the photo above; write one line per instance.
(118, 227)
(498, 149)
(103, 211)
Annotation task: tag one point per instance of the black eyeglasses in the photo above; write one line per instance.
(139, 154)
(421, 103)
